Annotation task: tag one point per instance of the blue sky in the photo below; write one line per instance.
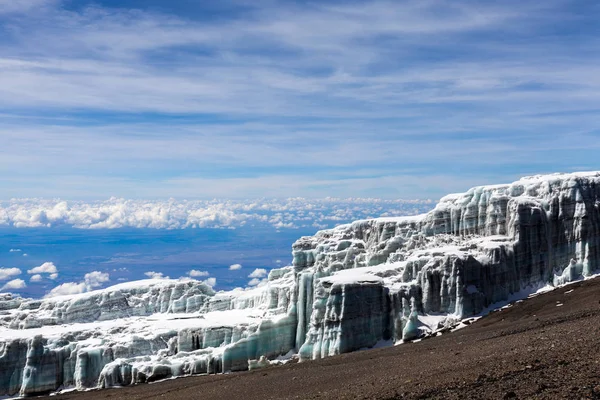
(202, 99)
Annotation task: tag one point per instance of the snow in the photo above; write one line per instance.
(139, 284)
(356, 276)
(150, 325)
(400, 220)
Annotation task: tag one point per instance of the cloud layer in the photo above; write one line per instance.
(119, 213)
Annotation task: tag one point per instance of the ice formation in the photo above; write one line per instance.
(372, 281)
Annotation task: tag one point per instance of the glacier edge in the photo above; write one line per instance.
(348, 288)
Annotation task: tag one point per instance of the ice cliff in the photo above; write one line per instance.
(373, 281)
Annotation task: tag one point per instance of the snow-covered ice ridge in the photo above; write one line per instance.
(383, 280)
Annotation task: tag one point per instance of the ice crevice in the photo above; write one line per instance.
(383, 280)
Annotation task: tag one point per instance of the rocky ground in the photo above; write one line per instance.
(546, 347)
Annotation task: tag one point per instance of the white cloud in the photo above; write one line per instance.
(258, 273)
(15, 284)
(53, 276)
(257, 282)
(235, 267)
(68, 288)
(45, 268)
(155, 275)
(531, 84)
(35, 278)
(22, 6)
(6, 273)
(15, 250)
(345, 39)
(96, 278)
(196, 274)
(90, 281)
(211, 282)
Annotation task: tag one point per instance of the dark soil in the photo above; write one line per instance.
(535, 349)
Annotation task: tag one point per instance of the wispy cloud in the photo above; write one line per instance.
(276, 91)
(23, 6)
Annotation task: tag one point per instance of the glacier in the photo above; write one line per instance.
(356, 286)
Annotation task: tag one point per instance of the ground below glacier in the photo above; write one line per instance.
(545, 347)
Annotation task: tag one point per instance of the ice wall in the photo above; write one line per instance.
(348, 314)
(473, 250)
(142, 332)
(348, 288)
(140, 298)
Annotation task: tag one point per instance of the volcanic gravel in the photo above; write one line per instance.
(546, 347)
